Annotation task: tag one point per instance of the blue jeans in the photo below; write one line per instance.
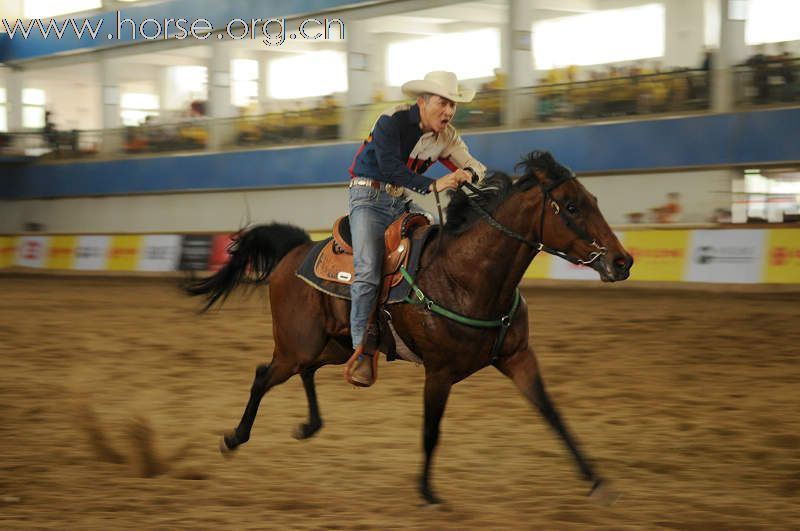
(371, 212)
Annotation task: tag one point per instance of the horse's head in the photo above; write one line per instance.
(570, 220)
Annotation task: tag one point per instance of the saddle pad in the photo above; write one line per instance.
(399, 292)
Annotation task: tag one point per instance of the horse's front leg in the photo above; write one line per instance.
(437, 389)
(523, 370)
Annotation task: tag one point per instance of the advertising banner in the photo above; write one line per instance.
(726, 256)
(32, 251)
(195, 252)
(721, 256)
(319, 235)
(563, 270)
(91, 253)
(8, 251)
(219, 251)
(61, 254)
(160, 252)
(782, 259)
(540, 267)
(124, 253)
(658, 254)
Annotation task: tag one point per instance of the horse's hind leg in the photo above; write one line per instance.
(267, 377)
(334, 353)
(523, 370)
(310, 428)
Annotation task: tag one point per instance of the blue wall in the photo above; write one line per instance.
(714, 140)
(218, 13)
(722, 139)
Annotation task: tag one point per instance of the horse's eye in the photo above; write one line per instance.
(572, 209)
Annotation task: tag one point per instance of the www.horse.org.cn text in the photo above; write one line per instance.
(271, 31)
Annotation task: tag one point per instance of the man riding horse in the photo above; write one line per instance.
(402, 145)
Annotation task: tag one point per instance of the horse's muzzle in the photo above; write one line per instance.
(614, 269)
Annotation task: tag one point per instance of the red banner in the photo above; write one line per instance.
(219, 251)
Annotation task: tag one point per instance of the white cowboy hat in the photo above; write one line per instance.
(444, 84)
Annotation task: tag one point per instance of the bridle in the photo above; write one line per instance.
(539, 244)
(507, 319)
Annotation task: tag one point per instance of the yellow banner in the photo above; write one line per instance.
(782, 259)
(540, 267)
(123, 254)
(61, 254)
(8, 251)
(657, 254)
(319, 235)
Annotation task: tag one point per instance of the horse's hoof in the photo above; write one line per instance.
(603, 494)
(224, 449)
(305, 431)
(430, 497)
(432, 501)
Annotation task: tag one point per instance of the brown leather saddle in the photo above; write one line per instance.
(335, 261)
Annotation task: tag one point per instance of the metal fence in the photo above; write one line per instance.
(765, 82)
(678, 91)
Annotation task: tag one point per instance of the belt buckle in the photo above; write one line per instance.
(394, 190)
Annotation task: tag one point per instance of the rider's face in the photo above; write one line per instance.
(435, 113)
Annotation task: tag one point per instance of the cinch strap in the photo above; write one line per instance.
(504, 323)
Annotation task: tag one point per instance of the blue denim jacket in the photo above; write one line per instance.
(398, 152)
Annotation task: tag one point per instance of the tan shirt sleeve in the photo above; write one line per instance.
(457, 153)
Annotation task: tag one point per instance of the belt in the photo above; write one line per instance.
(394, 190)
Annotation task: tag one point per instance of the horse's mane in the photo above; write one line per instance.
(498, 186)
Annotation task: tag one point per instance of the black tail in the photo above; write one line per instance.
(257, 250)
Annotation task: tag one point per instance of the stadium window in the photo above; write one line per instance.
(3, 120)
(307, 75)
(599, 37)
(135, 107)
(772, 21)
(711, 23)
(33, 102)
(48, 8)
(770, 196)
(478, 55)
(184, 85)
(244, 82)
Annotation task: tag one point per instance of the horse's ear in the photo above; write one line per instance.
(544, 167)
(537, 163)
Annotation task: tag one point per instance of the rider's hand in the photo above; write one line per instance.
(452, 180)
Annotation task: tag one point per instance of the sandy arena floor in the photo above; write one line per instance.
(113, 394)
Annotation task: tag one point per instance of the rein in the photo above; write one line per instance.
(441, 218)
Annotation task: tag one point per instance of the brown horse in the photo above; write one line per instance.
(488, 242)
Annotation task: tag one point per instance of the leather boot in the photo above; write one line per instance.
(361, 368)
